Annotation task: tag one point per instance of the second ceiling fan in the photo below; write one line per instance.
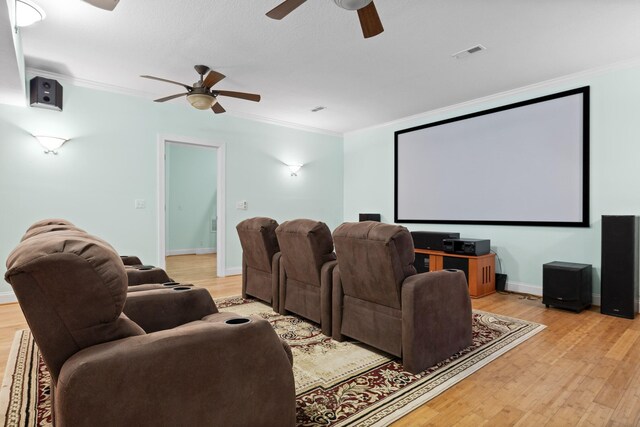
(201, 95)
(369, 19)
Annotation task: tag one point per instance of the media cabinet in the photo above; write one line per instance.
(480, 270)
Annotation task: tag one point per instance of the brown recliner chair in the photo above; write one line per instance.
(137, 273)
(200, 368)
(260, 259)
(379, 299)
(306, 268)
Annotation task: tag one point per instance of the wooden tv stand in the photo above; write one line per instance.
(481, 270)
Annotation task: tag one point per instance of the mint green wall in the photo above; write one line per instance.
(191, 190)
(111, 160)
(615, 178)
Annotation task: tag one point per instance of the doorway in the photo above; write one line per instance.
(191, 201)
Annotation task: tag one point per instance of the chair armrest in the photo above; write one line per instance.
(146, 287)
(326, 290)
(337, 302)
(141, 277)
(160, 309)
(436, 318)
(204, 373)
(244, 276)
(130, 260)
(275, 281)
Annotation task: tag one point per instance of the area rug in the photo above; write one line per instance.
(337, 384)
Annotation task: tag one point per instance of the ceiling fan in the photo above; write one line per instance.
(369, 19)
(200, 95)
(104, 4)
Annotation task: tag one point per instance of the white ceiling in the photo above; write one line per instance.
(317, 56)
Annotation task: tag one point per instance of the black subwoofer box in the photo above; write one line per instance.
(566, 285)
(619, 267)
(45, 93)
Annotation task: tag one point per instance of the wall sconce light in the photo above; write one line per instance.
(294, 169)
(51, 144)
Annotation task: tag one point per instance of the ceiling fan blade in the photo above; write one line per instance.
(103, 4)
(217, 108)
(284, 8)
(167, 98)
(370, 21)
(242, 95)
(212, 78)
(168, 81)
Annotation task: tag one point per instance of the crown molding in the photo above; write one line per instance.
(90, 84)
(258, 118)
(592, 72)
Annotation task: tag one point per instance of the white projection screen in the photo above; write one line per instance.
(519, 164)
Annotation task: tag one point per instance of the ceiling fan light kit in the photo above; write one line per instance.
(104, 4)
(352, 4)
(28, 13)
(367, 13)
(201, 101)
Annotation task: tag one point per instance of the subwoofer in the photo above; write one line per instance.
(45, 93)
(566, 285)
(619, 267)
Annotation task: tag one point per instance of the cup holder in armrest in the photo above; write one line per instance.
(181, 288)
(451, 270)
(237, 321)
(146, 267)
(170, 284)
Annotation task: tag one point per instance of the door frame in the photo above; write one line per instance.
(163, 140)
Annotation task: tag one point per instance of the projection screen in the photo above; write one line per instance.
(520, 164)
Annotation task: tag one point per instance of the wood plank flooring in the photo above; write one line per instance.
(582, 370)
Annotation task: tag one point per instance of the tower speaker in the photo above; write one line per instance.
(619, 275)
(45, 93)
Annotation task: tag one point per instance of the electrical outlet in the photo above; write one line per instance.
(140, 204)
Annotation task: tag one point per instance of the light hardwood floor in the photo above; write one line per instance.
(583, 369)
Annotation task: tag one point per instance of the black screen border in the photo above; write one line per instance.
(585, 91)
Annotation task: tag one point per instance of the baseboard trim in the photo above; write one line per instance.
(203, 251)
(523, 288)
(233, 271)
(193, 251)
(7, 297)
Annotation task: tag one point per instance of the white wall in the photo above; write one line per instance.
(111, 160)
(615, 177)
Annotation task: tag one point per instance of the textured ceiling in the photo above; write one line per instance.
(317, 55)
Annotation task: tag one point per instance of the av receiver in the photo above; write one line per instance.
(475, 247)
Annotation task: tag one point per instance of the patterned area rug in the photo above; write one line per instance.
(337, 384)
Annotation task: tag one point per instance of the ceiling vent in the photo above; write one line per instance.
(464, 53)
(320, 108)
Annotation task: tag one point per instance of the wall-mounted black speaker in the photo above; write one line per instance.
(619, 275)
(45, 93)
(369, 217)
